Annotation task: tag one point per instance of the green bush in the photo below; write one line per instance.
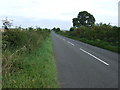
(19, 43)
(102, 32)
(98, 34)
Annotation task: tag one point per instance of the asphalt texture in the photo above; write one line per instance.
(81, 65)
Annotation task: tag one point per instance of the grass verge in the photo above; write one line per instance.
(97, 42)
(38, 69)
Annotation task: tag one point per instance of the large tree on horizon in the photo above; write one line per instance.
(83, 19)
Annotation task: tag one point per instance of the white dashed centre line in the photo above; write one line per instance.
(64, 39)
(95, 57)
(71, 43)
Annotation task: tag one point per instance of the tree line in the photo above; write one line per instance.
(99, 34)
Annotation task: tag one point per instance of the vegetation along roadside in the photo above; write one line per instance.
(101, 35)
(28, 60)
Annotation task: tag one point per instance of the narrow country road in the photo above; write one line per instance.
(81, 65)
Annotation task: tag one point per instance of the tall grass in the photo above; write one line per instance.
(28, 60)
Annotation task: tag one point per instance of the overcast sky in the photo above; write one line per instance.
(57, 13)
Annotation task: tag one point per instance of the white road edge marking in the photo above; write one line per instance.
(71, 43)
(95, 57)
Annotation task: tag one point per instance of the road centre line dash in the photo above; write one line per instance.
(71, 43)
(94, 57)
(64, 39)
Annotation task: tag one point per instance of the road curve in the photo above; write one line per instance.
(81, 65)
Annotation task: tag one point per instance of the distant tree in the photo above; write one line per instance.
(20, 28)
(56, 29)
(83, 19)
(38, 28)
(7, 23)
(75, 22)
(30, 28)
(71, 29)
